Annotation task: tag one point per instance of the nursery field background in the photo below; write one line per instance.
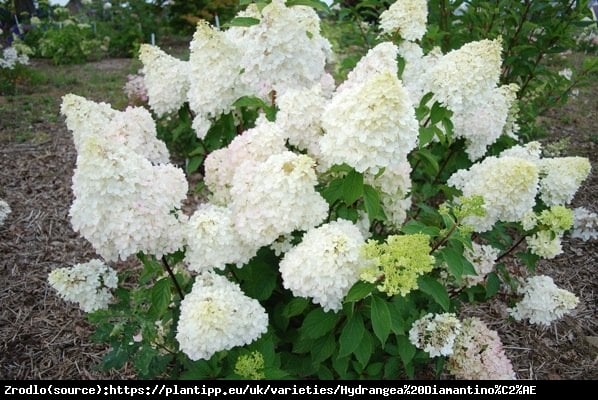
(42, 337)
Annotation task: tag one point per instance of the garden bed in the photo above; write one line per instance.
(42, 337)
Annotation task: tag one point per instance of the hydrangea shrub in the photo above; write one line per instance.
(344, 224)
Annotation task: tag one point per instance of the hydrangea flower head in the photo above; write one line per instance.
(217, 316)
(543, 302)
(166, 79)
(325, 264)
(370, 125)
(396, 264)
(407, 17)
(435, 333)
(87, 284)
(508, 185)
(478, 354)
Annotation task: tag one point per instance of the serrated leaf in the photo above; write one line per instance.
(161, 296)
(381, 320)
(242, 21)
(351, 335)
(435, 289)
(358, 291)
(116, 358)
(318, 323)
(363, 352)
(352, 187)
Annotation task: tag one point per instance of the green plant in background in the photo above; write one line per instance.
(344, 225)
(71, 44)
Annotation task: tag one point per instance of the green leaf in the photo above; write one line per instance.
(429, 158)
(426, 134)
(381, 320)
(318, 323)
(116, 358)
(363, 352)
(413, 226)
(316, 5)
(161, 297)
(437, 113)
(530, 260)
(371, 201)
(193, 164)
(323, 348)
(151, 268)
(492, 284)
(406, 349)
(250, 101)
(453, 261)
(242, 21)
(351, 335)
(258, 278)
(143, 360)
(435, 289)
(334, 191)
(358, 291)
(352, 187)
(295, 307)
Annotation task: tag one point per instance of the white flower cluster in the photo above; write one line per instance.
(256, 144)
(543, 301)
(483, 258)
(88, 284)
(478, 354)
(364, 139)
(284, 51)
(124, 204)
(325, 264)
(435, 333)
(299, 116)
(393, 186)
(4, 211)
(166, 79)
(212, 240)
(10, 58)
(264, 192)
(217, 316)
(407, 17)
(561, 177)
(545, 244)
(473, 350)
(133, 128)
(466, 82)
(508, 185)
(585, 224)
(213, 93)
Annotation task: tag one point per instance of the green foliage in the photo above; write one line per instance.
(71, 44)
